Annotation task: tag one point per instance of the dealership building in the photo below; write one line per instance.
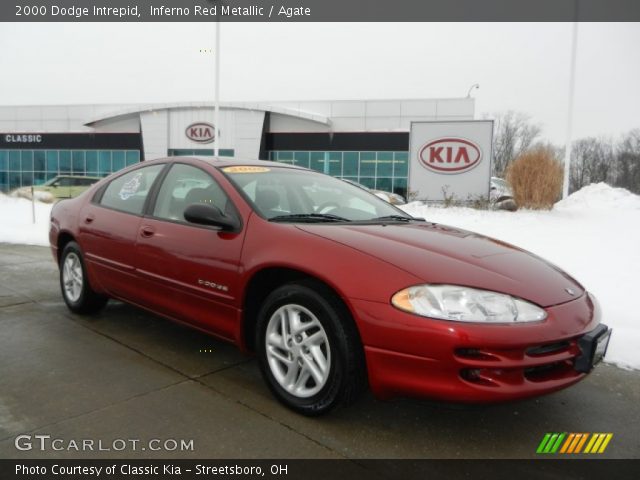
(366, 141)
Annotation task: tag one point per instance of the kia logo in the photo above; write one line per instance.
(449, 155)
(200, 132)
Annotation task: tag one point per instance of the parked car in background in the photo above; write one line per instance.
(61, 186)
(389, 197)
(333, 288)
(501, 195)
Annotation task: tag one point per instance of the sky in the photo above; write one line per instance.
(519, 66)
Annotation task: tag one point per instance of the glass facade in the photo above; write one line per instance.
(22, 168)
(380, 170)
(207, 152)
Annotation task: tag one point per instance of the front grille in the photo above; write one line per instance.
(547, 349)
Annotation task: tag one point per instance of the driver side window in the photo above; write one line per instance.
(185, 185)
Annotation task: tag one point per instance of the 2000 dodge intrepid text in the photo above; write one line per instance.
(330, 286)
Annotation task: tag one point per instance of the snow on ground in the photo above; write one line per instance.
(594, 235)
(17, 221)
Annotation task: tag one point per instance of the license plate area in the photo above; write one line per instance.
(593, 346)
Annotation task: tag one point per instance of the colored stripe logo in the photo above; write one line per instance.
(568, 443)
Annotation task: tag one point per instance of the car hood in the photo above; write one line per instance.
(440, 254)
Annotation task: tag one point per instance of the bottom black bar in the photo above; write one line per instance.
(319, 469)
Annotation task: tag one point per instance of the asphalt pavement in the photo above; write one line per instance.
(127, 378)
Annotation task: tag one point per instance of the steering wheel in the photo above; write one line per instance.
(327, 206)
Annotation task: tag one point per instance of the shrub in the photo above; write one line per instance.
(536, 178)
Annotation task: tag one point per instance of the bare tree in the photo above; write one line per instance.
(592, 161)
(513, 134)
(628, 161)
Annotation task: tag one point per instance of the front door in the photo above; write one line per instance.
(188, 271)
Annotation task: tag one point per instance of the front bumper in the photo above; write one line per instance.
(409, 355)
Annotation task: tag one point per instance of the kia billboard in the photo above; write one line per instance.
(450, 159)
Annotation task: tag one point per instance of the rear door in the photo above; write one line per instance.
(190, 272)
(109, 227)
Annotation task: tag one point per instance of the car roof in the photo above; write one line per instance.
(222, 162)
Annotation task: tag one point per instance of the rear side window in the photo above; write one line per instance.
(129, 192)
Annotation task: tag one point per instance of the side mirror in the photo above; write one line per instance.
(207, 214)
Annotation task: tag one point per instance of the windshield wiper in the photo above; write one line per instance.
(309, 217)
(400, 218)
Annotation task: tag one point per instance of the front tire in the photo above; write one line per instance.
(309, 350)
(74, 282)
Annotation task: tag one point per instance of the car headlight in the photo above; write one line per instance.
(463, 304)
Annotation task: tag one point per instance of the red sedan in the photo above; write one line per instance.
(330, 286)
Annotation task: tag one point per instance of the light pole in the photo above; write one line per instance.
(475, 85)
(216, 107)
(572, 82)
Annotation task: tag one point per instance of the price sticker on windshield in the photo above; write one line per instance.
(246, 169)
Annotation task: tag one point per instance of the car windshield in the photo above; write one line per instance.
(291, 195)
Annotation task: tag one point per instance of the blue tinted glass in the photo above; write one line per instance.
(368, 164)
(368, 182)
(400, 186)
(38, 178)
(14, 160)
(226, 152)
(118, 160)
(316, 161)
(39, 162)
(133, 157)
(91, 157)
(350, 164)
(27, 160)
(104, 166)
(383, 184)
(400, 164)
(385, 164)
(52, 161)
(78, 162)
(335, 163)
(3, 160)
(27, 178)
(285, 156)
(301, 159)
(14, 180)
(65, 161)
(273, 155)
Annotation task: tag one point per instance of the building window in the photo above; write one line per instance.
(22, 168)
(205, 152)
(381, 170)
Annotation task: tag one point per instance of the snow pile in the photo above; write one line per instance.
(600, 196)
(594, 235)
(16, 219)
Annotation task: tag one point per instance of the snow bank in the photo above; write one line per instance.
(594, 235)
(17, 221)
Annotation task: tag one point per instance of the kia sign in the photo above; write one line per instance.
(200, 132)
(450, 155)
(450, 159)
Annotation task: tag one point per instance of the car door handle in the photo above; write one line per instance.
(89, 218)
(147, 232)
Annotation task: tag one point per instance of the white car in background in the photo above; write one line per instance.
(501, 195)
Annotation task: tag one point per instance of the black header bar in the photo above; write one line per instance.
(85, 141)
(320, 11)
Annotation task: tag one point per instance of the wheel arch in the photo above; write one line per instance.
(267, 279)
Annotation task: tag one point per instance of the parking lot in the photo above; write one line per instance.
(127, 374)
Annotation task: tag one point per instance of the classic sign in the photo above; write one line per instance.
(450, 155)
(200, 132)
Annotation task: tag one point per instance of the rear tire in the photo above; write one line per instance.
(74, 282)
(309, 350)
